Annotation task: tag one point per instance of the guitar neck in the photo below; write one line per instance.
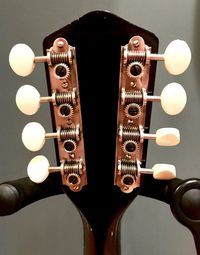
(102, 239)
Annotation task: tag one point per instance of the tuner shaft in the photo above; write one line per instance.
(158, 57)
(41, 59)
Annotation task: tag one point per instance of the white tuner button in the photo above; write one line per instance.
(21, 59)
(177, 57)
(28, 99)
(164, 171)
(159, 171)
(38, 169)
(163, 136)
(173, 98)
(33, 136)
(167, 136)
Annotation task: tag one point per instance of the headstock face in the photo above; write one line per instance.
(97, 38)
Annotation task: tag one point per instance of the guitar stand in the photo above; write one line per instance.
(183, 196)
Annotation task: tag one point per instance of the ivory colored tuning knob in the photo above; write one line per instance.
(163, 136)
(167, 136)
(21, 59)
(160, 171)
(177, 57)
(28, 99)
(38, 169)
(164, 171)
(33, 136)
(173, 98)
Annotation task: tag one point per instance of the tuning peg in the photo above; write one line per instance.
(160, 171)
(132, 135)
(34, 135)
(177, 57)
(28, 100)
(38, 170)
(22, 59)
(173, 100)
(129, 170)
(163, 136)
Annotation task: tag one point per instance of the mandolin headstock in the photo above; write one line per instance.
(100, 74)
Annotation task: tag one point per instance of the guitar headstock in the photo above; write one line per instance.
(100, 74)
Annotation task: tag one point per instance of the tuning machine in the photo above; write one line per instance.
(177, 57)
(132, 134)
(34, 136)
(129, 172)
(22, 59)
(71, 170)
(28, 100)
(173, 99)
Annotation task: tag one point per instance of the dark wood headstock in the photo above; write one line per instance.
(95, 42)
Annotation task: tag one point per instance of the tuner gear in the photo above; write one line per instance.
(132, 111)
(73, 180)
(66, 111)
(135, 70)
(62, 71)
(130, 147)
(70, 146)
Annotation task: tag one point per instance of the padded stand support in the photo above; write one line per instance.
(14, 195)
(183, 196)
(185, 205)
